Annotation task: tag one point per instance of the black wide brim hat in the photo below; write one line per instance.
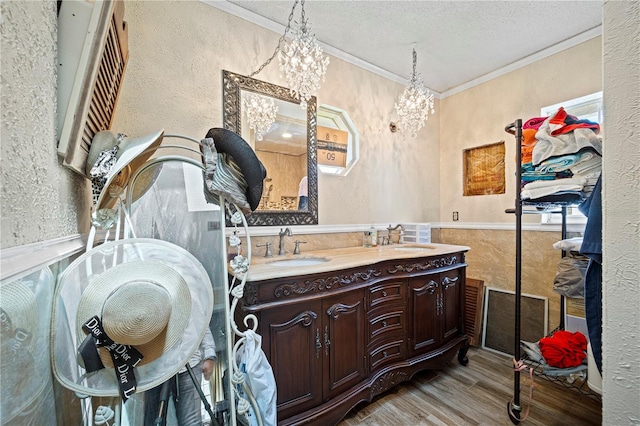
(232, 144)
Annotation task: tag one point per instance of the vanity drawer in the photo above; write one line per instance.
(390, 292)
(389, 352)
(386, 322)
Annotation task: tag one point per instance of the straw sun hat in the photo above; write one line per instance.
(150, 294)
(24, 325)
(18, 319)
(145, 304)
(113, 159)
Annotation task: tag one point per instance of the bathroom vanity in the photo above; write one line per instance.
(341, 326)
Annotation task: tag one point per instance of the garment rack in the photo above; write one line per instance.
(514, 407)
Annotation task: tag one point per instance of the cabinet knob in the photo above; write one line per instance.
(384, 323)
(384, 354)
(384, 293)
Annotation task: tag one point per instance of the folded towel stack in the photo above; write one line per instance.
(563, 152)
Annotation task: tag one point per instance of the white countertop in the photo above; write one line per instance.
(262, 268)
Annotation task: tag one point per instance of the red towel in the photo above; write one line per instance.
(534, 123)
(562, 123)
(564, 349)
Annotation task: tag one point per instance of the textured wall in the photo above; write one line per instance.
(39, 200)
(174, 81)
(478, 116)
(492, 259)
(621, 222)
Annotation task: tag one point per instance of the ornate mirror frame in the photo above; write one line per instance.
(233, 84)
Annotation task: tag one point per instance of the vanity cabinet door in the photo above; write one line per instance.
(344, 342)
(435, 304)
(424, 307)
(293, 344)
(451, 283)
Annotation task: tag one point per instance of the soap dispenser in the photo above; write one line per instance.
(373, 232)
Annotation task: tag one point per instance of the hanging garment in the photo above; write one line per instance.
(259, 377)
(569, 279)
(592, 248)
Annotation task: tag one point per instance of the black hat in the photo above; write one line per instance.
(230, 143)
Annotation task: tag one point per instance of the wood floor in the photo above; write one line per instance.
(474, 395)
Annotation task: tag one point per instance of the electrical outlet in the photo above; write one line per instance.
(455, 216)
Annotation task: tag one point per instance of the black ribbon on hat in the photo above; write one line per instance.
(125, 357)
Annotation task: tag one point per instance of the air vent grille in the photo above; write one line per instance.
(106, 89)
(474, 293)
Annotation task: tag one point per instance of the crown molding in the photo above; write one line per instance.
(254, 18)
(263, 22)
(544, 53)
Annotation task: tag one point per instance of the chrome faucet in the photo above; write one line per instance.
(282, 234)
(390, 229)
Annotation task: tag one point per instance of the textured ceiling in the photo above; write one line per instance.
(456, 41)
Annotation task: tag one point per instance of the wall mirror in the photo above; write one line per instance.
(338, 141)
(287, 150)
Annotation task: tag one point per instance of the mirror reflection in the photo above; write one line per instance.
(282, 149)
(287, 149)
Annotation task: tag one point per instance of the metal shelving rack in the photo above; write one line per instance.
(550, 205)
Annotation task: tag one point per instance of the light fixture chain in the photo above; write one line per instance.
(415, 61)
(286, 30)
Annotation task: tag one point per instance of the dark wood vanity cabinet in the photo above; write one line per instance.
(338, 338)
(435, 310)
(318, 348)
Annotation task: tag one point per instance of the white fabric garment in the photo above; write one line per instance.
(588, 166)
(541, 188)
(569, 143)
(570, 244)
(303, 188)
(579, 181)
(259, 377)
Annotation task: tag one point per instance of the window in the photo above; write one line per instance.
(338, 141)
(587, 107)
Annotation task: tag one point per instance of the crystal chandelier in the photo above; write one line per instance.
(261, 113)
(303, 62)
(415, 102)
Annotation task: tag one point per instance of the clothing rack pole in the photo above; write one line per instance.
(514, 407)
(564, 254)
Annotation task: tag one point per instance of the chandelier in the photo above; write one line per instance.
(415, 102)
(302, 60)
(261, 113)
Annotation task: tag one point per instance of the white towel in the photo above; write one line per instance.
(542, 188)
(588, 166)
(548, 183)
(569, 143)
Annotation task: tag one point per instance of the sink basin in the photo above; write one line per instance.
(303, 261)
(411, 247)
